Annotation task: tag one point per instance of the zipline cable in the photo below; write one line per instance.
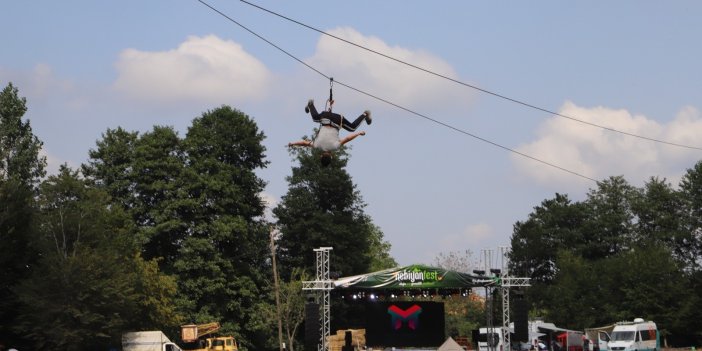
(394, 104)
(504, 97)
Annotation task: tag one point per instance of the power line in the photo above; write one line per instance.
(504, 97)
(395, 104)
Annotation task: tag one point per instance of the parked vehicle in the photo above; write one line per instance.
(194, 338)
(153, 340)
(638, 335)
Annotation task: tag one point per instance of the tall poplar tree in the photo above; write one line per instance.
(222, 262)
(21, 168)
(323, 208)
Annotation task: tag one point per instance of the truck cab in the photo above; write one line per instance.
(223, 343)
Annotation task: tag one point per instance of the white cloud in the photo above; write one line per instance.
(384, 77)
(41, 84)
(271, 202)
(598, 153)
(206, 69)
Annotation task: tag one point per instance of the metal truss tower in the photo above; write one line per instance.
(506, 284)
(500, 279)
(322, 285)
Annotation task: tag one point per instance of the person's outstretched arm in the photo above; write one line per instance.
(301, 143)
(351, 137)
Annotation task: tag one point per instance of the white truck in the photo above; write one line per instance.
(153, 340)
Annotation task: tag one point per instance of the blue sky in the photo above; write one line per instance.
(85, 66)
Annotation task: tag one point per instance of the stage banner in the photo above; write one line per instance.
(405, 324)
(409, 277)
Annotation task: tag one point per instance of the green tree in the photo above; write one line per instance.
(323, 208)
(555, 225)
(223, 259)
(89, 285)
(292, 307)
(21, 168)
(19, 147)
(622, 253)
(658, 210)
(110, 165)
(570, 302)
(609, 229)
(146, 175)
(161, 203)
(379, 251)
(195, 202)
(463, 315)
(691, 231)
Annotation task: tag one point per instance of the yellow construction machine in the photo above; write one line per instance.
(193, 338)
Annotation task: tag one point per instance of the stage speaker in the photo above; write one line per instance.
(312, 332)
(521, 320)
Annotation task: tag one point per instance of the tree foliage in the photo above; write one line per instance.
(21, 167)
(622, 253)
(90, 284)
(323, 208)
(196, 206)
(19, 147)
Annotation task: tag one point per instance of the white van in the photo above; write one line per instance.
(638, 335)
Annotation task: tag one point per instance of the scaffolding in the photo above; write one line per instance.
(500, 279)
(322, 285)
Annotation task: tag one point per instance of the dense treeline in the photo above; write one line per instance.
(158, 230)
(623, 252)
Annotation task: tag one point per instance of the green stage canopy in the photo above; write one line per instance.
(411, 277)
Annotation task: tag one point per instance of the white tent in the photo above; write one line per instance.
(450, 345)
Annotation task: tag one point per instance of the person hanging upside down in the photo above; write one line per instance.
(327, 138)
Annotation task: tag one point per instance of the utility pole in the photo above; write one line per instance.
(277, 289)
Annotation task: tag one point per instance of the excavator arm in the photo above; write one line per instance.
(192, 332)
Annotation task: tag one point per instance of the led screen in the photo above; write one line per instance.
(405, 323)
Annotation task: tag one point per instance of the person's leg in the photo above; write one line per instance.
(351, 126)
(312, 110)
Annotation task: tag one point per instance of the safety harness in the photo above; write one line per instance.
(328, 107)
